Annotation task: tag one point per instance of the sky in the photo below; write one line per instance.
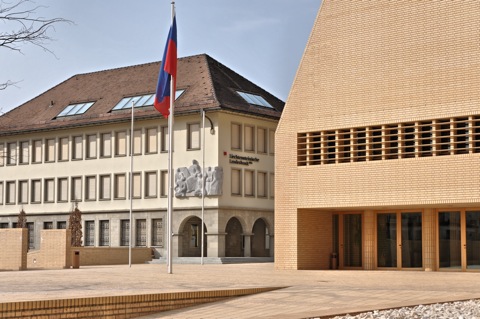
(262, 40)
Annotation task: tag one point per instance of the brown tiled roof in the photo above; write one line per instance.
(207, 84)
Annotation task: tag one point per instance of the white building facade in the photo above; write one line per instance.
(81, 156)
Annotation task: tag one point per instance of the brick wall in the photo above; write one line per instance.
(372, 63)
(14, 243)
(118, 307)
(112, 255)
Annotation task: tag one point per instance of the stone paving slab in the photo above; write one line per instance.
(307, 293)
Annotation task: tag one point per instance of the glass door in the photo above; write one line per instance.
(387, 240)
(352, 240)
(411, 232)
(449, 240)
(473, 239)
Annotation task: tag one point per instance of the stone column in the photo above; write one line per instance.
(247, 249)
(215, 244)
(429, 240)
(176, 245)
(369, 240)
(272, 246)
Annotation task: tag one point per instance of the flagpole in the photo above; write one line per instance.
(170, 166)
(131, 188)
(203, 182)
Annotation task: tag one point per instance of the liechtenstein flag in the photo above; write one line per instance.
(168, 69)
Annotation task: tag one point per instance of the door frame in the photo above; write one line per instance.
(398, 214)
(340, 232)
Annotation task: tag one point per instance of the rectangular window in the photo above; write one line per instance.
(90, 188)
(249, 183)
(271, 142)
(137, 185)
(62, 189)
(76, 194)
(137, 142)
(157, 232)
(408, 140)
(62, 225)
(121, 143)
(49, 150)
(89, 233)
(37, 151)
(3, 225)
(12, 153)
(236, 132)
(1, 193)
(150, 184)
(106, 145)
(24, 152)
(77, 147)
(10, 195)
(2, 154)
(391, 142)
(249, 138)
(36, 191)
(425, 139)
(193, 136)
(375, 141)
(63, 149)
(262, 183)
(124, 232)
(49, 190)
(461, 136)
(443, 137)
(164, 130)
(47, 225)
(236, 181)
(120, 186)
(105, 187)
(163, 183)
(23, 192)
(361, 145)
(104, 233)
(151, 141)
(262, 140)
(141, 233)
(91, 146)
(31, 235)
(272, 185)
(343, 146)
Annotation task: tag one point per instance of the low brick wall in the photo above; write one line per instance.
(119, 306)
(90, 256)
(14, 242)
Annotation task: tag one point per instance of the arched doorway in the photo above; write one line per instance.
(260, 239)
(192, 234)
(234, 238)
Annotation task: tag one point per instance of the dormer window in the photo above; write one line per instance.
(254, 99)
(75, 109)
(140, 101)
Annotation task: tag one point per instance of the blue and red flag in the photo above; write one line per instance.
(167, 70)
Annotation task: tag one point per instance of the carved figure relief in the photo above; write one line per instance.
(188, 181)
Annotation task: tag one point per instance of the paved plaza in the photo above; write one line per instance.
(306, 293)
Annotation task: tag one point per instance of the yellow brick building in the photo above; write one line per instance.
(378, 147)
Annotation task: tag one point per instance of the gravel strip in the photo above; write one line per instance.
(459, 310)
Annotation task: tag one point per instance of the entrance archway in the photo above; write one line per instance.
(260, 239)
(234, 238)
(192, 234)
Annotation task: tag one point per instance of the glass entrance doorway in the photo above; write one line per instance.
(459, 240)
(347, 240)
(399, 240)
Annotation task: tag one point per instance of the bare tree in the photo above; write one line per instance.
(24, 26)
(22, 219)
(75, 226)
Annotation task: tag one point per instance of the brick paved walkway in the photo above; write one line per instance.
(307, 293)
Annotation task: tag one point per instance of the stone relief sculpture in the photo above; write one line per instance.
(188, 181)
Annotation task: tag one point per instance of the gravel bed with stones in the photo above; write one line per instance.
(459, 310)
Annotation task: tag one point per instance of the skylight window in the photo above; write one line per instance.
(254, 99)
(140, 101)
(75, 109)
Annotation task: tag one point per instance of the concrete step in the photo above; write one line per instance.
(213, 260)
